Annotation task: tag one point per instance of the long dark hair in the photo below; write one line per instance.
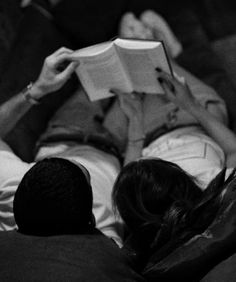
(158, 202)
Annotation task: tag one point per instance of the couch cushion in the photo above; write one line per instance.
(10, 16)
(82, 257)
(37, 37)
(89, 22)
(195, 258)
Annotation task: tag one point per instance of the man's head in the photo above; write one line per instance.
(53, 198)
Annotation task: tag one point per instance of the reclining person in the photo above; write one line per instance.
(162, 126)
(75, 133)
(160, 192)
(102, 165)
(57, 239)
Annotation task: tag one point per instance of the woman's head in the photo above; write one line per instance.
(151, 192)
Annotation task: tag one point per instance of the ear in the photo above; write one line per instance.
(92, 221)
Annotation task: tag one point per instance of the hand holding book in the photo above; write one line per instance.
(177, 91)
(132, 106)
(125, 64)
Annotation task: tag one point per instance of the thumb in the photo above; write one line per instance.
(121, 99)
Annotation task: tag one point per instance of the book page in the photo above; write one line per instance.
(141, 62)
(101, 72)
(136, 44)
(93, 50)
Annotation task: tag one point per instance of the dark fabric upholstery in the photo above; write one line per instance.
(85, 257)
(36, 38)
(194, 259)
(10, 16)
(223, 272)
(217, 17)
(89, 22)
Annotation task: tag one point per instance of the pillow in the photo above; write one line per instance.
(192, 260)
(225, 271)
(82, 257)
(10, 16)
(89, 22)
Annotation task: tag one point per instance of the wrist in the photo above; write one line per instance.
(36, 91)
(195, 109)
(27, 93)
(138, 141)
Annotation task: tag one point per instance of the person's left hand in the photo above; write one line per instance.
(130, 103)
(177, 91)
(51, 77)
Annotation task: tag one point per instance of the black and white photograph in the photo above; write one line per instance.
(117, 141)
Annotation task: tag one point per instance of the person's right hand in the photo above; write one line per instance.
(51, 78)
(130, 103)
(177, 91)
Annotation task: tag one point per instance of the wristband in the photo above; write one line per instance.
(137, 140)
(27, 95)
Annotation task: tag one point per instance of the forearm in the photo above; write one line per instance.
(50, 80)
(133, 151)
(135, 141)
(216, 129)
(15, 108)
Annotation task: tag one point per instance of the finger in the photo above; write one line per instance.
(166, 75)
(174, 84)
(167, 89)
(116, 91)
(123, 97)
(53, 62)
(121, 100)
(167, 82)
(68, 71)
(174, 80)
(62, 50)
(181, 79)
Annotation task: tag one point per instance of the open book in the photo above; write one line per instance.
(124, 64)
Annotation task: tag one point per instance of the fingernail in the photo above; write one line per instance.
(160, 79)
(158, 69)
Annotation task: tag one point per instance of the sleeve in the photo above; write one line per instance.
(12, 169)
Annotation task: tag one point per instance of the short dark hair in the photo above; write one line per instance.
(53, 198)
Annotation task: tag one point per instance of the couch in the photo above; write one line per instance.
(27, 36)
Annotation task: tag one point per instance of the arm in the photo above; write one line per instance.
(49, 80)
(180, 94)
(131, 105)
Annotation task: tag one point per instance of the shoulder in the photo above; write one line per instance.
(11, 166)
(12, 169)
